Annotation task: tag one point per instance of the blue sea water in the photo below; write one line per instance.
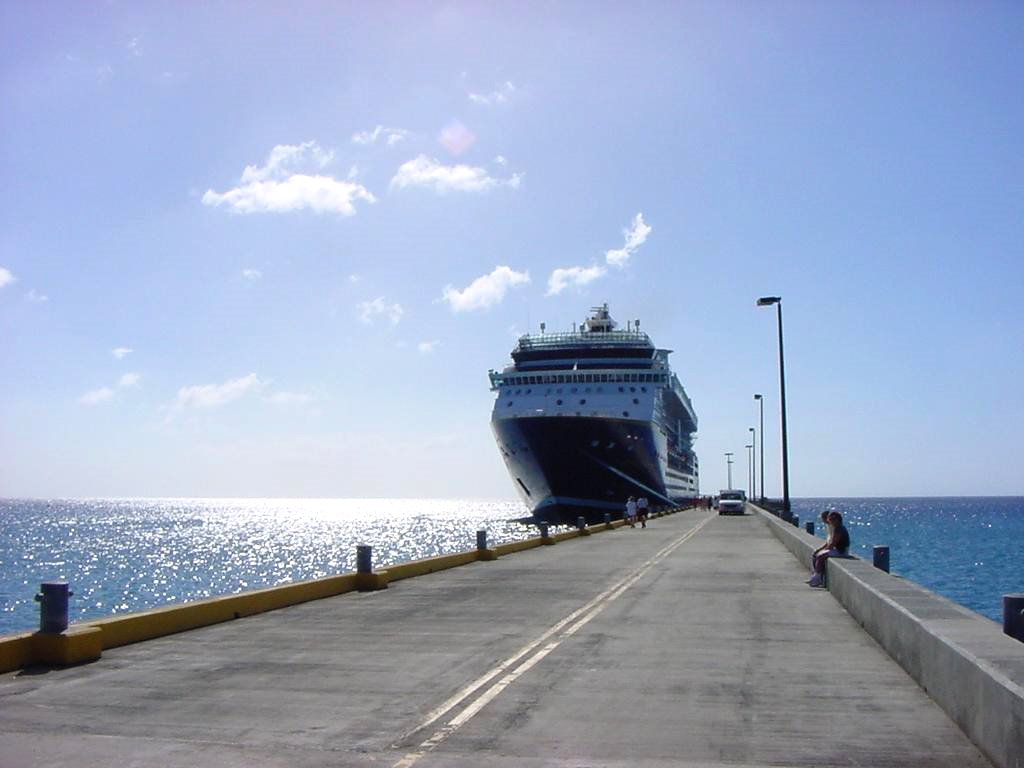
(969, 549)
(126, 555)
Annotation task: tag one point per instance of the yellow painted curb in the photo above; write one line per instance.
(169, 619)
(430, 565)
(86, 641)
(372, 582)
(75, 645)
(15, 651)
(518, 546)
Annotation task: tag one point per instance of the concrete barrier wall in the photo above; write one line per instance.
(961, 659)
(78, 645)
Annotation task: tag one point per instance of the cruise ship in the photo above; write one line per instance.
(585, 419)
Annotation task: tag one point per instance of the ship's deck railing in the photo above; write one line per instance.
(588, 339)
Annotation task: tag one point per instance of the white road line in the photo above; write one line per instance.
(575, 620)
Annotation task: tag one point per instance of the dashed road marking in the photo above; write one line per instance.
(549, 640)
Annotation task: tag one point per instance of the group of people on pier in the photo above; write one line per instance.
(636, 510)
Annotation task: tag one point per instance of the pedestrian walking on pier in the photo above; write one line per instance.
(641, 511)
(631, 512)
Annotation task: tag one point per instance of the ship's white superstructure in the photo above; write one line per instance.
(587, 418)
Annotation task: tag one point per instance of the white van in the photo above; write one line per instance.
(731, 502)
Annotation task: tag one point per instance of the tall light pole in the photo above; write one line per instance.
(750, 468)
(753, 462)
(767, 301)
(728, 463)
(760, 401)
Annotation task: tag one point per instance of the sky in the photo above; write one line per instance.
(263, 249)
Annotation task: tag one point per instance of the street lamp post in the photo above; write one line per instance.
(753, 462)
(750, 469)
(760, 402)
(767, 301)
(728, 463)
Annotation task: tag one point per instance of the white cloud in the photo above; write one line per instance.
(134, 47)
(368, 310)
(318, 193)
(103, 394)
(354, 278)
(575, 277)
(285, 159)
(288, 398)
(289, 181)
(499, 95)
(485, 291)
(252, 274)
(425, 172)
(500, 160)
(426, 347)
(213, 395)
(121, 352)
(6, 277)
(36, 298)
(635, 237)
(96, 396)
(391, 136)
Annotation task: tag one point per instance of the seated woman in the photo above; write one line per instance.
(839, 547)
(828, 541)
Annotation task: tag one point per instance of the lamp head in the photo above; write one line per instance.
(767, 301)
(757, 397)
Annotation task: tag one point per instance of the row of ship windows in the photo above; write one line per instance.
(593, 444)
(558, 391)
(586, 378)
(579, 413)
(583, 401)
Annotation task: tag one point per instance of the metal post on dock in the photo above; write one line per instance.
(545, 536)
(366, 579)
(581, 523)
(796, 521)
(1013, 615)
(482, 551)
(53, 606)
(607, 519)
(881, 557)
(364, 558)
(809, 527)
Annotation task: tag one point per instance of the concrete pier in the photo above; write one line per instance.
(693, 642)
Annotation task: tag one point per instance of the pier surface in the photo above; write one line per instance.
(693, 642)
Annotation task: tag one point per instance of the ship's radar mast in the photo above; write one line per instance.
(600, 321)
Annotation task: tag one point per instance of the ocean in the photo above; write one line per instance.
(126, 555)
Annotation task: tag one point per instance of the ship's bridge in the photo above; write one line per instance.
(586, 349)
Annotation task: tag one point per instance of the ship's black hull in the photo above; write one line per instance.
(570, 467)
